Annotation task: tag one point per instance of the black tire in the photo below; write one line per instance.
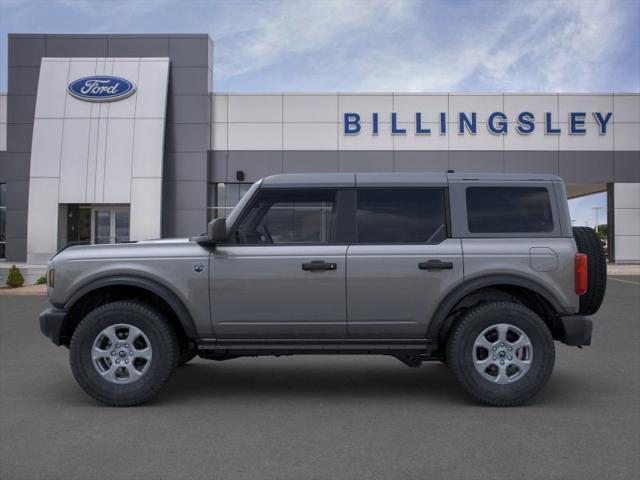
(163, 342)
(587, 242)
(460, 351)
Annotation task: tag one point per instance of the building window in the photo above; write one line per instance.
(3, 216)
(223, 197)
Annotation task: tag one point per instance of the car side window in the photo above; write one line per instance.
(410, 215)
(509, 210)
(289, 217)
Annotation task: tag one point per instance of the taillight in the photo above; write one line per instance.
(581, 273)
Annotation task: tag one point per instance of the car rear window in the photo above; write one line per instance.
(509, 210)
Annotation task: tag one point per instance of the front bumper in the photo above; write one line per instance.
(52, 323)
(575, 330)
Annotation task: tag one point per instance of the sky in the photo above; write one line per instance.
(376, 45)
(582, 210)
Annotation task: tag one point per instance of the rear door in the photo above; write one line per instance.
(513, 228)
(401, 263)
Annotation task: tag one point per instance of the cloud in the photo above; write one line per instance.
(543, 47)
(277, 32)
(376, 45)
(415, 46)
(112, 15)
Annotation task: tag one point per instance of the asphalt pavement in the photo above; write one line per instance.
(323, 417)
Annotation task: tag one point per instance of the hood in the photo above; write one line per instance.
(142, 248)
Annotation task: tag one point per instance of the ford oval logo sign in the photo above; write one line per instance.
(101, 88)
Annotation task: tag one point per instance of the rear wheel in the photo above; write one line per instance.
(501, 353)
(122, 353)
(587, 242)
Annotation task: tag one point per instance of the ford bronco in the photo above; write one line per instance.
(479, 271)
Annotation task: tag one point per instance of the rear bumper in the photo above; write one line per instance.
(575, 330)
(51, 323)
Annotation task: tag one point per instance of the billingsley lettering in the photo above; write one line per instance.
(467, 123)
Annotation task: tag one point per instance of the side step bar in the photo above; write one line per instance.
(244, 347)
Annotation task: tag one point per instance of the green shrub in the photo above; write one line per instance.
(15, 278)
(41, 280)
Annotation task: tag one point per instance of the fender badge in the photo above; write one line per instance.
(198, 267)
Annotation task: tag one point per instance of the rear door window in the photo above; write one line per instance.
(412, 215)
(509, 210)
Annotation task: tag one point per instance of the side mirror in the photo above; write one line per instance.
(217, 230)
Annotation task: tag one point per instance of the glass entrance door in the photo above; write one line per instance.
(97, 223)
(121, 224)
(79, 223)
(110, 225)
(102, 225)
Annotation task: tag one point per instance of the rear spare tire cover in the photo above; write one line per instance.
(588, 243)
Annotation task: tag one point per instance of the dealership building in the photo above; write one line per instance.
(113, 138)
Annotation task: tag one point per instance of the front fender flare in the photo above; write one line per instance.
(184, 317)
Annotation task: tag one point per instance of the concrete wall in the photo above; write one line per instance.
(187, 123)
(626, 201)
(3, 121)
(96, 153)
(262, 134)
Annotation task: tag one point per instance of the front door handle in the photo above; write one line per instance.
(435, 265)
(319, 265)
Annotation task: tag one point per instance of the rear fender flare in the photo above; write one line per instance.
(442, 312)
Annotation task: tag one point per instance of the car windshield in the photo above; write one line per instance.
(233, 215)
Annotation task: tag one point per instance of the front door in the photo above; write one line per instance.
(284, 274)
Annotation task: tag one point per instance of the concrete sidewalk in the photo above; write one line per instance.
(37, 290)
(615, 269)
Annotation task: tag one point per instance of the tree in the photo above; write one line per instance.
(602, 231)
(15, 278)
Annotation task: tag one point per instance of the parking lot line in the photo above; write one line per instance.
(624, 281)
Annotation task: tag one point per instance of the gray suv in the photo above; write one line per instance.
(479, 271)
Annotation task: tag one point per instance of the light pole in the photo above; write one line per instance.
(596, 210)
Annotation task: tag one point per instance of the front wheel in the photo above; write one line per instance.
(501, 353)
(122, 353)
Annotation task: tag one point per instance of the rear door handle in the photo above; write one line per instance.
(435, 265)
(319, 265)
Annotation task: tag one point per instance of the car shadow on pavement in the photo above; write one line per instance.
(432, 382)
(201, 380)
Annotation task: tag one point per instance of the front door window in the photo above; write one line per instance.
(289, 217)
